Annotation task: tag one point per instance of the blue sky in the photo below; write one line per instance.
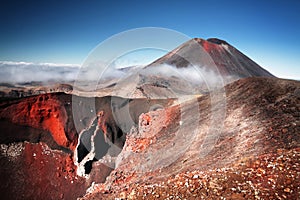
(66, 31)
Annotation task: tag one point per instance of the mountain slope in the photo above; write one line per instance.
(197, 66)
(229, 60)
(260, 137)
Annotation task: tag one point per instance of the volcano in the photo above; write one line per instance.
(158, 133)
(228, 60)
(197, 66)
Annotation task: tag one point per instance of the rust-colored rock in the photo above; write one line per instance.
(43, 112)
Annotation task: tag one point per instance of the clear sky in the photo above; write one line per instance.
(60, 31)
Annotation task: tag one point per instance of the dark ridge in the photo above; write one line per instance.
(9, 85)
(217, 41)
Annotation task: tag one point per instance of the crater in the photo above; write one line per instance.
(104, 136)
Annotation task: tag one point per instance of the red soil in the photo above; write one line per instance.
(39, 172)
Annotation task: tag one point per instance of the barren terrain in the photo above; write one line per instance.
(232, 134)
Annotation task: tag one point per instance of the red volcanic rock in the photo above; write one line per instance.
(38, 143)
(151, 125)
(210, 46)
(154, 122)
(43, 112)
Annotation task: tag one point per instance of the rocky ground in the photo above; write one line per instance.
(269, 176)
(32, 171)
(255, 154)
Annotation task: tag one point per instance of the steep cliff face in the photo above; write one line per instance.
(47, 112)
(38, 138)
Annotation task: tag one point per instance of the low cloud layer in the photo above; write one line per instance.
(21, 72)
(194, 75)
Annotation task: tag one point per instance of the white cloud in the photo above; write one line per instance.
(192, 74)
(21, 72)
(18, 72)
(41, 64)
